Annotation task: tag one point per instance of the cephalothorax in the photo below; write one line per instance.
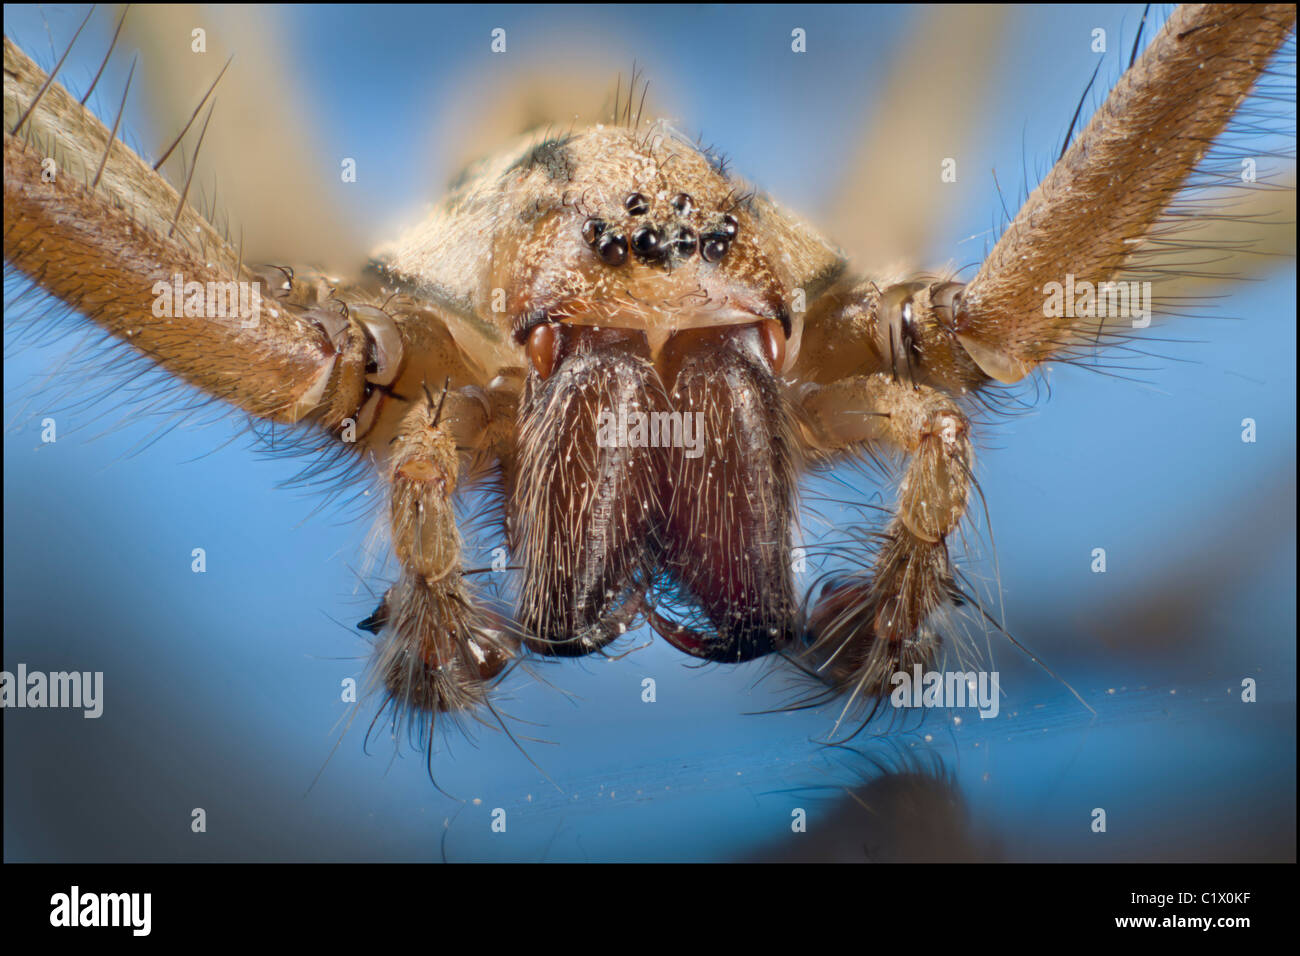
(644, 352)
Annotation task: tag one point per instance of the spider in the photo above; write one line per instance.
(619, 267)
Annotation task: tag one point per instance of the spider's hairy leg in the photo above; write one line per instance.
(904, 327)
(439, 645)
(1142, 146)
(1107, 209)
(93, 224)
(864, 627)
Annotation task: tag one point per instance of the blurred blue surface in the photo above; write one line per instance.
(222, 689)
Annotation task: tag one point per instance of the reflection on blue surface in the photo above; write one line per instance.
(223, 688)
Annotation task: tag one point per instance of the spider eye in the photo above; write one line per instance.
(730, 226)
(772, 337)
(543, 347)
(683, 204)
(612, 249)
(636, 204)
(592, 230)
(647, 242)
(714, 248)
(683, 244)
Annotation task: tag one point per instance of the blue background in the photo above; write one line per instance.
(223, 688)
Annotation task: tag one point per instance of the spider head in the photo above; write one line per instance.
(609, 227)
(648, 236)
